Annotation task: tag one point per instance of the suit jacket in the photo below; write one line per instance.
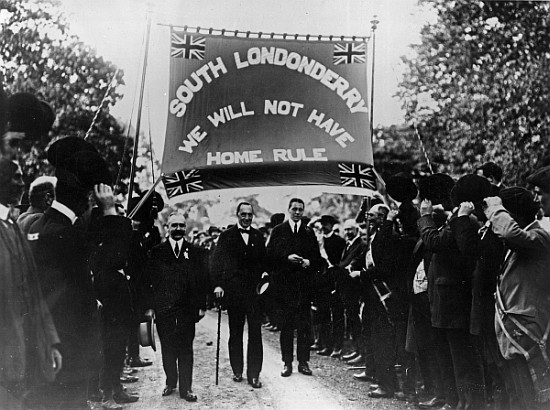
(63, 251)
(237, 267)
(293, 284)
(354, 258)
(176, 284)
(525, 279)
(450, 273)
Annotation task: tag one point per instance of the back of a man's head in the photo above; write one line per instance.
(42, 192)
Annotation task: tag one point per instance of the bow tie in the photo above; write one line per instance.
(247, 231)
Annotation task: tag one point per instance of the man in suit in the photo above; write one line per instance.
(177, 282)
(238, 265)
(294, 252)
(65, 249)
(353, 259)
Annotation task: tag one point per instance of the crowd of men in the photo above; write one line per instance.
(450, 278)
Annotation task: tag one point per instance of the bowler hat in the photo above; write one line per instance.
(436, 188)
(144, 212)
(470, 188)
(541, 178)
(401, 187)
(147, 334)
(77, 163)
(29, 115)
(519, 201)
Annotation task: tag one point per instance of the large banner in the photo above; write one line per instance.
(261, 111)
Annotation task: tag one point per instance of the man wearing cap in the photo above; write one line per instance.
(29, 341)
(238, 265)
(541, 180)
(294, 252)
(353, 259)
(66, 250)
(493, 173)
(522, 318)
(177, 282)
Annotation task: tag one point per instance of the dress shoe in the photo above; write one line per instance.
(188, 396)
(380, 393)
(139, 362)
(126, 378)
(237, 377)
(447, 406)
(110, 405)
(122, 397)
(350, 356)
(304, 369)
(168, 391)
(324, 352)
(273, 329)
(129, 370)
(373, 386)
(363, 376)
(433, 403)
(315, 346)
(287, 370)
(255, 382)
(357, 360)
(408, 397)
(336, 354)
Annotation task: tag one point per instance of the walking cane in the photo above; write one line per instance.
(218, 342)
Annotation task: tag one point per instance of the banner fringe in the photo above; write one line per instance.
(261, 35)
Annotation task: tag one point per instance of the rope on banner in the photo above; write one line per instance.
(260, 34)
(417, 133)
(101, 104)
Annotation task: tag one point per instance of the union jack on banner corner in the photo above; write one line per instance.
(182, 182)
(186, 46)
(348, 53)
(357, 175)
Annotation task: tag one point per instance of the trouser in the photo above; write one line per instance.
(133, 339)
(114, 339)
(295, 318)
(353, 320)
(331, 320)
(460, 359)
(366, 347)
(425, 345)
(254, 357)
(523, 385)
(176, 333)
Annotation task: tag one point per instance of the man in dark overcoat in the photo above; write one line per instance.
(177, 282)
(238, 265)
(294, 252)
(65, 249)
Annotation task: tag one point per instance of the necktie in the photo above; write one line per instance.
(295, 228)
(177, 250)
(244, 231)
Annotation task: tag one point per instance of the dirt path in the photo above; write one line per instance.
(296, 392)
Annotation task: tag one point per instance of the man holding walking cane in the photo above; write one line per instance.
(238, 265)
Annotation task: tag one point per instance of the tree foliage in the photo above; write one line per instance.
(480, 84)
(39, 54)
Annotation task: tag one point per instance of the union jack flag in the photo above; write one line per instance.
(182, 182)
(186, 46)
(348, 53)
(357, 175)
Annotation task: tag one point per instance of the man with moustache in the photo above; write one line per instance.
(177, 283)
(294, 252)
(238, 265)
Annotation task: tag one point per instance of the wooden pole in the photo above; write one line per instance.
(140, 106)
(374, 25)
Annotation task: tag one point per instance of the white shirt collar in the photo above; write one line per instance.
(58, 206)
(173, 243)
(239, 226)
(4, 212)
(292, 223)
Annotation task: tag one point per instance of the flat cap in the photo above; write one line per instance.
(541, 178)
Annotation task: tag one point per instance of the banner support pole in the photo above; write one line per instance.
(140, 106)
(374, 23)
(142, 200)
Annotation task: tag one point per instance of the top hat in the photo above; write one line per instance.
(401, 187)
(29, 115)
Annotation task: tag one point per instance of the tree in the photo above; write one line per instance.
(479, 85)
(38, 54)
